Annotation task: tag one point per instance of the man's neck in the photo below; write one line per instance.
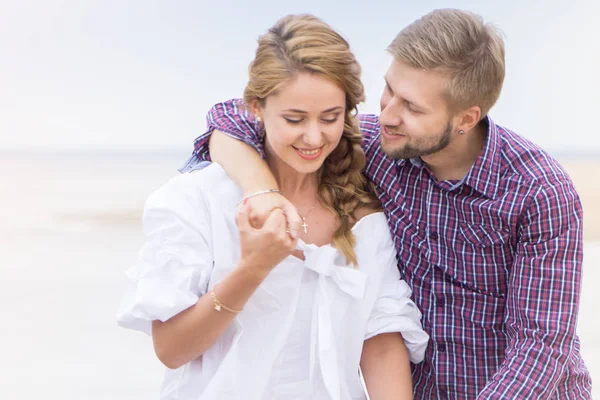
(457, 159)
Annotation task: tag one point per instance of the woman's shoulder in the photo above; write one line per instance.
(372, 232)
(366, 218)
(362, 212)
(204, 184)
(212, 177)
(193, 197)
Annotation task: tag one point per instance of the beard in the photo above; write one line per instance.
(422, 147)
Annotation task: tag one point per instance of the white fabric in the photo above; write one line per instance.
(301, 333)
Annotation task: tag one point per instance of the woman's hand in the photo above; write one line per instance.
(264, 248)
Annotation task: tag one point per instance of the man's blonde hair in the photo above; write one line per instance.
(460, 46)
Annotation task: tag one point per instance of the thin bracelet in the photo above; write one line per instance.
(260, 193)
(219, 305)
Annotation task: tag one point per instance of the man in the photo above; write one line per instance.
(487, 226)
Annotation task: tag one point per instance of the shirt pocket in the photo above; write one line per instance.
(479, 258)
(481, 236)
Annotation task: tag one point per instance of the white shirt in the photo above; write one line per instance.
(300, 335)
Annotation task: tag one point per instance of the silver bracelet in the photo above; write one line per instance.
(260, 193)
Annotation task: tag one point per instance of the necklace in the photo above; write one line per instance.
(304, 224)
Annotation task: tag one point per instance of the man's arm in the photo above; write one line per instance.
(241, 162)
(233, 119)
(543, 296)
(246, 168)
(233, 139)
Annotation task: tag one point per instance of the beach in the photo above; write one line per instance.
(70, 225)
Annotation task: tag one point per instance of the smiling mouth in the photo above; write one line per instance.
(392, 133)
(308, 152)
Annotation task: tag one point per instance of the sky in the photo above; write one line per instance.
(140, 75)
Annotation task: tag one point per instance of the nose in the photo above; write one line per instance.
(313, 135)
(391, 113)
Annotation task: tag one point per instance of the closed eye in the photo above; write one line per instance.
(292, 120)
(411, 108)
(332, 119)
(388, 88)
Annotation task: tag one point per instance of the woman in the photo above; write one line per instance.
(238, 312)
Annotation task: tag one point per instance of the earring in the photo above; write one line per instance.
(461, 132)
(257, 119)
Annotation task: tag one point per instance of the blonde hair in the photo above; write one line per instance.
(303, 43)
(459, 45)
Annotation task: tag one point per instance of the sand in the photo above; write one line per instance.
(69, 228)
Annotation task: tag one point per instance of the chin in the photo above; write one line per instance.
(308, 168)
(305, 166)
(394, 152)
(388, 149)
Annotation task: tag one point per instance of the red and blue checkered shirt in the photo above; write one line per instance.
(494, 262)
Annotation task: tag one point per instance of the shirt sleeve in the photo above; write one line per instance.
(543, 296)
(369, 127)
(234, 119)
(394, 311)
(175, 263)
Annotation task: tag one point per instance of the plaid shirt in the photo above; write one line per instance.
(494, 262)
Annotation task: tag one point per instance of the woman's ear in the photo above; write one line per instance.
(256, 109)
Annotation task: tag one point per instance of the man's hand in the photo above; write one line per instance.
(246, 168)
(262, 206)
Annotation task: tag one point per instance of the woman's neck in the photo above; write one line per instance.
(299, 188)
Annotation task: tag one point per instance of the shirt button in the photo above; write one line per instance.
(433, 236)
(441, 347)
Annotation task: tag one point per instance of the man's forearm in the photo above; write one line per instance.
(251, 173)
(531, 370)
(242, 163)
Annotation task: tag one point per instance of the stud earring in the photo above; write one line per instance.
(461, 132)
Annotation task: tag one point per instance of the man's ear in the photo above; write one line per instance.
(469, 118)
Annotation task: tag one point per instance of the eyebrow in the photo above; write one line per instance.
(332, 109)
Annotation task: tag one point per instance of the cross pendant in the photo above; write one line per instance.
(304, 225)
